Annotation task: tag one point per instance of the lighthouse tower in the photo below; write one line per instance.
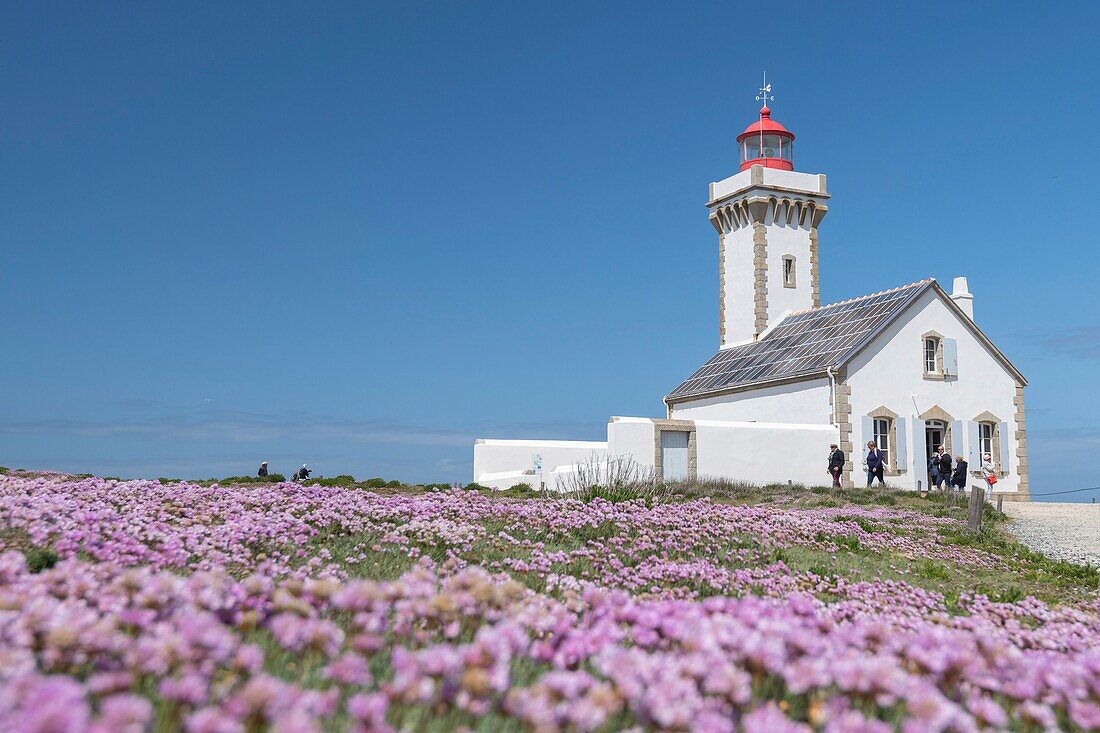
(766, 217)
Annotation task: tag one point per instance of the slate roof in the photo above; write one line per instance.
(802, 344)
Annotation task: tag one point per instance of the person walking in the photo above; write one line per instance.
(874, 464)
(945, 469)
(989, 471)
(263, 470)
(836, 464)
(958, 478)
(934, 469)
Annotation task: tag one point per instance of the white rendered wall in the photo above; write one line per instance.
(890, 373)
(801, 402)
(738, 284)
(756, 452)
(764, 453)
(633, 437)
(794, 240)
(500, 464)
(810, 182)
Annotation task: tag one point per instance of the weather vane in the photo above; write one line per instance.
(765, 94)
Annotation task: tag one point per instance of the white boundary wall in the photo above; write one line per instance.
(500, 464)
(745, 451)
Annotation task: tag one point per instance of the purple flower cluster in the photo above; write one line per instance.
(223, 610)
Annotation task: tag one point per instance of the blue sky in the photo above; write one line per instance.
(361, 235)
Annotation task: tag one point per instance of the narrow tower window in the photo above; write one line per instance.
(788, 271)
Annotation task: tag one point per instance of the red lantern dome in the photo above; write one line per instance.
(767, 143)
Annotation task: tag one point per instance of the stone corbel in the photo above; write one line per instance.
(757, 208)
(788, 210)
(803, 212)
(820, 210)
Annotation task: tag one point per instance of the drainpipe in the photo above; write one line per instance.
(832, 381)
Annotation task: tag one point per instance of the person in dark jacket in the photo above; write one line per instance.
(945, 469)
(874, 464)
(302, 474)
(958, 478)
(263, 470)
(934, 469)
(836, 464)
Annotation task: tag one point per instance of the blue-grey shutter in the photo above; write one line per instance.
(868, 426)
(1003, 427)
(957, 440)
(950, 357)
(920, 454)
(901, 454)
(974, 443)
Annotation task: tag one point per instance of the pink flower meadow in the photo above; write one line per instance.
(273, 607)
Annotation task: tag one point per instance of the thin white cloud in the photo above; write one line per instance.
(1082, 342)
(247, 427)
(243, 427)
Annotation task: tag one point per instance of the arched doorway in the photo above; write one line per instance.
(935, 435)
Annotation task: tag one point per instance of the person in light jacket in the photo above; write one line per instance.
(958, 478)
(874, 464)
(989, 471)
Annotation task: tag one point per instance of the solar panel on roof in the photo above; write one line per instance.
(802, 343)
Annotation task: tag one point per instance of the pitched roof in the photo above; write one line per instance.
(802, 344)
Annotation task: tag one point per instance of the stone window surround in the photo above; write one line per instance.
(937, 375)
(793, 283)
(675, 426)
(989, 418)
(937, 413)
(883, 412)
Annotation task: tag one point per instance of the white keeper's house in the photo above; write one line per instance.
(907, 367)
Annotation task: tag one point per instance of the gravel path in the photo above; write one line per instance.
(1062, 531)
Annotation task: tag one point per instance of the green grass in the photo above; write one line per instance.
(1022, 571)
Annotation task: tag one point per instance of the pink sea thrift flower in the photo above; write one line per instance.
(123, 714)
(349, 669)
(369, 713)
(36, 704)
(212, 720)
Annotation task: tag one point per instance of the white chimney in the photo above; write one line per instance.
(960, 293)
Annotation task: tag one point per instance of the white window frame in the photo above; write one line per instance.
(930, 359)
(882, 437)
(986, 432)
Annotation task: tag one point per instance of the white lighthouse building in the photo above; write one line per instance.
(906, 367)
(766, 217)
